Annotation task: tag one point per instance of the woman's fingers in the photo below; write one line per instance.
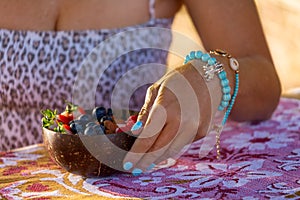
(163, 144)
(175, 149)
(147, 137)
(151, 96)
(144, 113)
(168, 144)
(170, 112)
(176, 134)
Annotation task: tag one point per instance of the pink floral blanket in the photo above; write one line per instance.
(259, 161)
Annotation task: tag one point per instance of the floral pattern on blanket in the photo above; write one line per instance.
(258, 161)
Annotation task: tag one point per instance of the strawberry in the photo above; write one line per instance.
(131, 120)
(67, 128)
(65, 117)
(74, 110)
(129, 123)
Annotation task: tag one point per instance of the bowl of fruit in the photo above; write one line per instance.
(90, 143)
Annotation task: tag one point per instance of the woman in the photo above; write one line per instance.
(43, 45)
(44, 42)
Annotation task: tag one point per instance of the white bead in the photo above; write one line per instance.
(234, 64)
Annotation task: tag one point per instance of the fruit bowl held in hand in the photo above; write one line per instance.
(86, 153)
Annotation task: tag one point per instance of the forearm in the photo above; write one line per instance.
(259, 89)
(235, 27)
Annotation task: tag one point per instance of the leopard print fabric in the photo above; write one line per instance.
(40, 69)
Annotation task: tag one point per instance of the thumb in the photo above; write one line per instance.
(151, 95)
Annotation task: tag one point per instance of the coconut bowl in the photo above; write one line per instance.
(88, 156)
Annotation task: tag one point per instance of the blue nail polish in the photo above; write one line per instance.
(127, 166)
(136, 171)
(151, 167)
(137, 126)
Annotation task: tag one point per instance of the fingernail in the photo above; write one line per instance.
(151, 167)
(136, 172)
(127, 166)
(137, 126)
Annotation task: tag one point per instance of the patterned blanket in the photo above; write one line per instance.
(259, 161)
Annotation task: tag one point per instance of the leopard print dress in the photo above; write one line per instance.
(44, 69)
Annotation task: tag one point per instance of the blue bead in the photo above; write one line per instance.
(225, 82)
(187, 58)
(226, 97)
(212, 61)
(220, 108)
(224, 121)
(222, 75)
(205, 57)
(224, 104)
(198, 54)
(226, 89)
(192, 55)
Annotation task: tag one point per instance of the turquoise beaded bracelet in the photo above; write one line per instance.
(211, 68)
(234, 64)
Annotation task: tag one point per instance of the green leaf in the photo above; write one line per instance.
(71, 107)
(49, 118)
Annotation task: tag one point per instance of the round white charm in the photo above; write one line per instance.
(234, 64)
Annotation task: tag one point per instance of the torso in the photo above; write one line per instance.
(80, 14)
(43, 44)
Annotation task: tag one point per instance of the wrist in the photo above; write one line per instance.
(230, 73)
(213, 68)
(213, 86)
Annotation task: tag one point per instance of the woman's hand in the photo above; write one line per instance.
(176, 112)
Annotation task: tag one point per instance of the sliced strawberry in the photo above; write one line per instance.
(67, 128)
(133, 118)
(65, 117)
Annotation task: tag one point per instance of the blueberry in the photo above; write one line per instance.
(76, 121)
(99, 129)
(76, 127)
(109, 112)
(84, 119)
(90, 131)
(104, 118)
(99, 112)
(90, 124)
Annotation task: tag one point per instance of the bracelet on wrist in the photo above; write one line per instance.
(234, 65)
(211, 68)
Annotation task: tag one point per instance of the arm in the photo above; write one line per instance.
(235, 27)
(176, 110)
